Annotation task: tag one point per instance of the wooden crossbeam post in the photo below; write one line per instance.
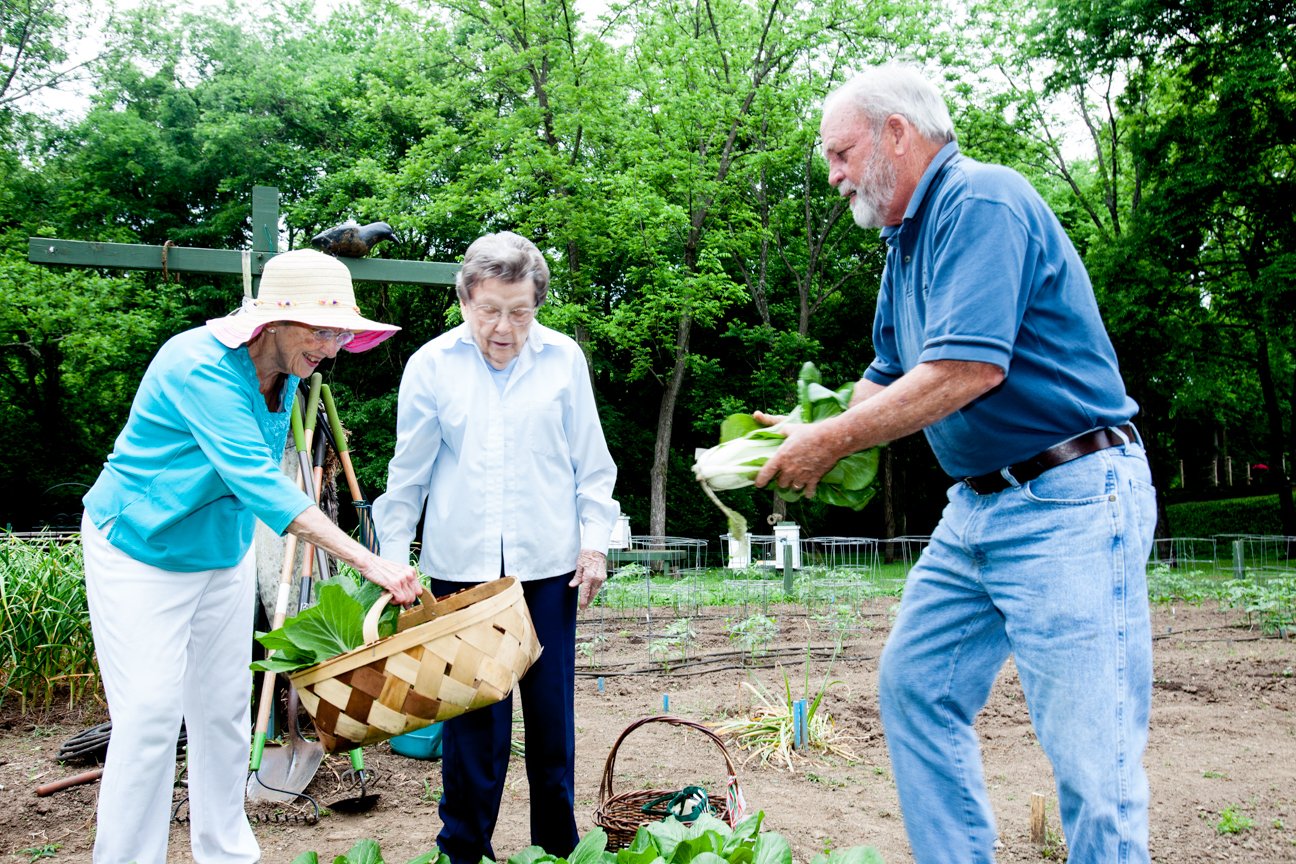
(228, 262)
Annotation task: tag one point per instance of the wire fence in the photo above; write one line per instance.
(662, 595)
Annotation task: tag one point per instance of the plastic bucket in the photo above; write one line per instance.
(422, 743)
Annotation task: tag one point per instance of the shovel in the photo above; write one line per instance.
(281, 772)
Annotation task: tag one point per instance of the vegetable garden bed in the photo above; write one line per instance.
(1221, 759)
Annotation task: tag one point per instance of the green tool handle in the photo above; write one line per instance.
(312, 401)
(357, 760)
(258, 747)
(330, 408)
(299, 437)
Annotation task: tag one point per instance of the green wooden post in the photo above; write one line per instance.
(787, 568)
(265, 230)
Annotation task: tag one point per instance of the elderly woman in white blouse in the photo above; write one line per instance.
(498, 437)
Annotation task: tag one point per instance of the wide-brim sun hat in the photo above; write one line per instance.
(307, 287)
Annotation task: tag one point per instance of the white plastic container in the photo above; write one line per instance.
(787, 536)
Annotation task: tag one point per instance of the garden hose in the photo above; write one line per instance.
(92, 744)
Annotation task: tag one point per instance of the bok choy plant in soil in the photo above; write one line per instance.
(746, 444)
(707, 841)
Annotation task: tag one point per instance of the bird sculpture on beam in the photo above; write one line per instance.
(352, 240)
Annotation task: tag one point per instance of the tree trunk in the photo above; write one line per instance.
(888, 493)
(1286, 513)
(665, 423)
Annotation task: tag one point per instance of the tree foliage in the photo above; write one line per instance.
(664, 155)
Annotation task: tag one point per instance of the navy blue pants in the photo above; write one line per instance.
(475, 746)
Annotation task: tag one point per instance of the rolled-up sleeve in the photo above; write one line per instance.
(592, 463)
(409, 474)
(213, 407)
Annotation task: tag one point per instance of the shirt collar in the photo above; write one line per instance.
(535, 337)
(944, 155)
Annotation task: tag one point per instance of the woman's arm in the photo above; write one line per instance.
(313, 527)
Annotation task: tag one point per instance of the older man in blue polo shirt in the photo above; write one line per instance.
(988, 338)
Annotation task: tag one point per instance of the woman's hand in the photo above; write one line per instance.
(312, 526)
(591, 573)
(400, 579)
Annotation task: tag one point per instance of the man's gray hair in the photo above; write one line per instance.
(896, 88)
(507, 257)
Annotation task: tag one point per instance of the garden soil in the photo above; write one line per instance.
(1223, 738)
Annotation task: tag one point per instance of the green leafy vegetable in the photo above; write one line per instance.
(746, 445)
(331, 627)
(707, 841)
(367, 852)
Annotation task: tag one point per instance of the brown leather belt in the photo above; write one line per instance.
(1023, 472)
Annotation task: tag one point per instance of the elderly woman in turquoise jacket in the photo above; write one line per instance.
(170, 574)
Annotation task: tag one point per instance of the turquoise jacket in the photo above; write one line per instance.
(198, 461)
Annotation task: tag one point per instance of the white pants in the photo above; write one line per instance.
(172, 645)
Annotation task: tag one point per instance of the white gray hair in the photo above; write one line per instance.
(505, 256)
(896, 88)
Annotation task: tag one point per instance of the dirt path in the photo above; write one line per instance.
(1223, 735)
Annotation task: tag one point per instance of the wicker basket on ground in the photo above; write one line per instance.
(448, 656)
(621, 815)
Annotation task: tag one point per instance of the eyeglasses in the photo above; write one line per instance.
(489, 315)
(323, 335)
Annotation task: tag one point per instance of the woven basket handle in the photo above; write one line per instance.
(370, 628)
(605, 785)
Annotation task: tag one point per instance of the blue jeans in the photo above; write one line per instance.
(1052, 571)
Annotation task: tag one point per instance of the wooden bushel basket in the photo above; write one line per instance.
(622, 815)
(448, 656)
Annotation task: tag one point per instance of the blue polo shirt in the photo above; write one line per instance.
(198, 460)
(980, 269)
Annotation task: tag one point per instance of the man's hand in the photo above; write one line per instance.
(591, 573)
(802, 460)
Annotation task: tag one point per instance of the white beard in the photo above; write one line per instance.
(874, 192)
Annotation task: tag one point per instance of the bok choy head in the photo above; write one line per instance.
(746, 445)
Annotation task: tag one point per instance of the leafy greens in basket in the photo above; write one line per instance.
(329, 628)
(746, 445)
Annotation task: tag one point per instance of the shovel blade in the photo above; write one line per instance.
(288, 767)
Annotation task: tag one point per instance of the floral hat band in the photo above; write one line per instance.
(307, 287)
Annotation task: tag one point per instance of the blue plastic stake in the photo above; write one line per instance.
(665, 703)
(799, 724)
(600, 685)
